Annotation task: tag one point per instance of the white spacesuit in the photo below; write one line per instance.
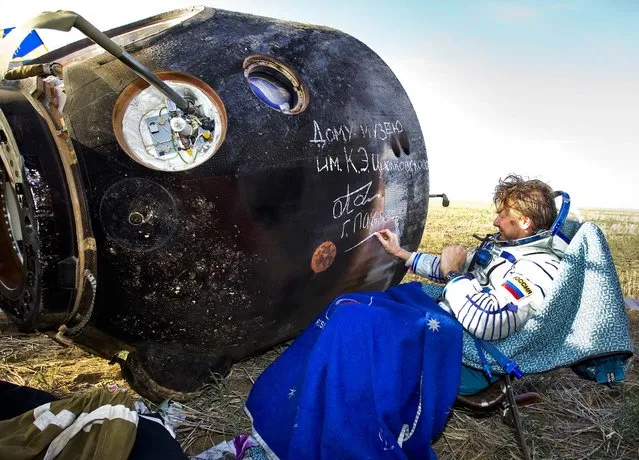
(502, 288)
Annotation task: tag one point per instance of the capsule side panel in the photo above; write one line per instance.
(248, 247)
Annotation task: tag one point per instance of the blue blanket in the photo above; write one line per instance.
(373, 377)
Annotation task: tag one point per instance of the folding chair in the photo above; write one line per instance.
(588, 330)
(499, 396)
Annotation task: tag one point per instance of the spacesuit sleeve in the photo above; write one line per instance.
(493, 313)
(426, 265)
(429, 266)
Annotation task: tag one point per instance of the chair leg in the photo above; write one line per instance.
(512, 405)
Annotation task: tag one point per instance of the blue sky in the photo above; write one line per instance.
(548, 89)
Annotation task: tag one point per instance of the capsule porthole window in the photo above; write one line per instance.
(275, 84)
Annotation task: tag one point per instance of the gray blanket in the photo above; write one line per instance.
(583, 316)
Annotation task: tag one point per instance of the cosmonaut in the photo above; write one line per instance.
(494, 289)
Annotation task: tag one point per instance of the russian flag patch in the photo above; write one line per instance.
(513, 289)
(517, 287)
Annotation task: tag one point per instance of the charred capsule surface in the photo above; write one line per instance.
(224, 228)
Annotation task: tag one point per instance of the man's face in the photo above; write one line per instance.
(512, 224)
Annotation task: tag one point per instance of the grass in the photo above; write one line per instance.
(575, 419)
(622, 232)
(39, 362)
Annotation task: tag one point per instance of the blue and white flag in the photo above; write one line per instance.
(30, 48)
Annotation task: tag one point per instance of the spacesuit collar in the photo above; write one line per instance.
(544, 239)
(540, 237)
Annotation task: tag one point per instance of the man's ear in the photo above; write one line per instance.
(526, 223)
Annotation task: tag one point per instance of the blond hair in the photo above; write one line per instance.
(531, 198)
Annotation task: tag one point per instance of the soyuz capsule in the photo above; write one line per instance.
(199, 192)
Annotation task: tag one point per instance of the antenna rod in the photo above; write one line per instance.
(64, 20)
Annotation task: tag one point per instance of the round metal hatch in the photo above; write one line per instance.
(157, 134)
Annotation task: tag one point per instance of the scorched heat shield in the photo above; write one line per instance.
(197, 229)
